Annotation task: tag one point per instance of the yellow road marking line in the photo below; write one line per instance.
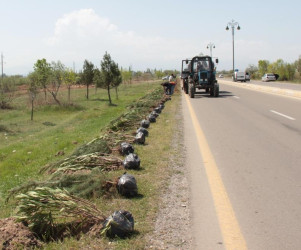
(233, 238)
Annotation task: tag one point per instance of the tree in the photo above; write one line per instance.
(263, 67)
(69, 79)
(33, 89)
(111, 76)
(43, 71)
(57, 76)
(87, 75)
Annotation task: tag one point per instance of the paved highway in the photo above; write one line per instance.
(244, 159)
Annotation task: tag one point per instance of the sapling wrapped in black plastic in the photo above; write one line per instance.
(161, 106)
(158, 110)
(152, 118)
(154, 113)
(127, 185)
(126, 148)
(120, 223)
(140, 138)
(143, 130)
(145, 123)
(132, 161)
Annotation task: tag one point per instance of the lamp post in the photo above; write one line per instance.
(211, 45)
(233, 24)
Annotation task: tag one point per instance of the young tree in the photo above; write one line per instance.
(69, 79)
(43, 70)
(110, 73)
(87, 75)
(263, 67)
(98, 79)
(33, 89)
(56, 79)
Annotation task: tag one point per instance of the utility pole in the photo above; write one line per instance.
(232, 25)
(211, 46)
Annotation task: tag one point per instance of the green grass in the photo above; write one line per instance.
(31, 144)
(81, 125)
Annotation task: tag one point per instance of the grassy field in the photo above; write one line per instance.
(29, 145)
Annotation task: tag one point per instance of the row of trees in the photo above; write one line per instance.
(51, 76)
(286, 71)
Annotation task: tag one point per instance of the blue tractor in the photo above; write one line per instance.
(199, 73)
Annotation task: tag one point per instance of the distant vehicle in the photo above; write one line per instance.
(239, 76)
(165, 78)
(268, 77)
(247, 76)
(221, 76)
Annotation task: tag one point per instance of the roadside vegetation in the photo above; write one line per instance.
(286, 71)
(66, 124)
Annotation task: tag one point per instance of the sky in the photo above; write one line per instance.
(155, 34)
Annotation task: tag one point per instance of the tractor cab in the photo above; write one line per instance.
(201, 75)
(202, 71)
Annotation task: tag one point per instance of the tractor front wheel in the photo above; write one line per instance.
(186, 87)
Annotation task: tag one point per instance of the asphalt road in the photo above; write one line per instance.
(250, 188)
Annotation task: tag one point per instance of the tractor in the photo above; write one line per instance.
(199, 73)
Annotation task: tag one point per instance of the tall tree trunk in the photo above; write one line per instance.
(32, 109)
(45, 92)
(109, 94)
(69, 90)
(116, 90)
(87, 91)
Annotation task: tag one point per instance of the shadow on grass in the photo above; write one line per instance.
(115, 238)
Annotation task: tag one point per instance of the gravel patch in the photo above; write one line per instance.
(172, 226)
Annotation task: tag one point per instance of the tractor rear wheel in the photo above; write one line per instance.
(216, 90)
(191, 90)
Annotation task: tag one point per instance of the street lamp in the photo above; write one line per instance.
(233, 24)
(211, 45)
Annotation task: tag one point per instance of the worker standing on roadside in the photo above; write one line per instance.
(172, 82)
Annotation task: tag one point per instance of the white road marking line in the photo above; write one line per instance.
(283, 115)
(237, 97)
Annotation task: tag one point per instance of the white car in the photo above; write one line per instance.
(165, 78)
(268, 77)
(221, 76)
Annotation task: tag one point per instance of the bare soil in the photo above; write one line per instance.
(14, 235)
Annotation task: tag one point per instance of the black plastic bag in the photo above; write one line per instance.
(126, 148)
(145, 124)
(155, 114)
(161, 106)
(143, 130)
(131, 161)
(120, 223)
(140, 138)
(158, 110)
(127, 185)
(152, 118)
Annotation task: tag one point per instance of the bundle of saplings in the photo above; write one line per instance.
(54, 213)
(85, 184)
(75, 163)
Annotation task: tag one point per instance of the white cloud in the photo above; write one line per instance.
(83, 34)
